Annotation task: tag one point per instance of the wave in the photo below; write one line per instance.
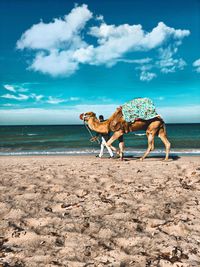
(31, 134)
(139, 134)
(195, 152)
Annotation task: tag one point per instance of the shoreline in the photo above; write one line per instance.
(130, 157)
(92, 152)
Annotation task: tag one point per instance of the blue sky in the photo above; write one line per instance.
(61, 58)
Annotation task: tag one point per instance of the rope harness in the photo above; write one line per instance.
(90, 132)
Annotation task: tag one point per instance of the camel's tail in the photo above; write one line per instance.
(162, 129)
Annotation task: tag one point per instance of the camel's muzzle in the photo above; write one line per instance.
(81, 116)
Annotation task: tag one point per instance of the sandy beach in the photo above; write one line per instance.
(83, 211)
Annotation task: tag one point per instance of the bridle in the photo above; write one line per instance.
(86, 116)
(86, 125)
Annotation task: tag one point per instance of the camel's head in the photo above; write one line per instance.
(87, 115)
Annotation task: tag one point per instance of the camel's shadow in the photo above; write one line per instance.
(151, 158)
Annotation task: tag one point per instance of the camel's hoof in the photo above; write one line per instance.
(165, 160)
(140, 159)
(118, 152)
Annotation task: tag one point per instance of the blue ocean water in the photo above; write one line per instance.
(74, 139)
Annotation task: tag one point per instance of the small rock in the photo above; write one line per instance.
(81, 193)
(167, 211)
(86, 224)
(56, 263)
(186, 186)
(60, 242)
(64, 206)
(3, 240)
(49, 209)
(2, 255)
(139, 228)
(87, 251)
(184, 256)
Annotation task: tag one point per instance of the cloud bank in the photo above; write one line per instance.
(16, 94)
(60, 47)
(60, 116)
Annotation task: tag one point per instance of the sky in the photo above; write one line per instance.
(61, 58)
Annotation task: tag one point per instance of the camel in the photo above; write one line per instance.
(119, 126)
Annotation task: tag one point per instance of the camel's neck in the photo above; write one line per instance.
(97, 126)
(104, 127)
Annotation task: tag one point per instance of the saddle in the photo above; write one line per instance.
(139, 109)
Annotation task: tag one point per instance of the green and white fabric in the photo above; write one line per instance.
(139, 108)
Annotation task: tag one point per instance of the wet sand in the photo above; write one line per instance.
(84, 211)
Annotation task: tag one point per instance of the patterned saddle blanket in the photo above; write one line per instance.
(139, 108)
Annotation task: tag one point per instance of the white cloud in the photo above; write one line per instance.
(171, 65)
(56, 63)
(115, 41)
(57, 34)
(136, 61)
(161, 34)
(22, 90)
(167, 63)
(9, 88)
(54, 100)
(15, 88)
(71, 115)
(73, 98)
(20, 97)
(147, 76)
(196, 64)
(125, 38)
(36, 97)
(100, 18)
(9, 105)
(61, 46)
(186, 114)
(145, 72)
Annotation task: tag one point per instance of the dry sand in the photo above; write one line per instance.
(84, 211)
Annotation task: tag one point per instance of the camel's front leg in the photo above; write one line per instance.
(114, 137)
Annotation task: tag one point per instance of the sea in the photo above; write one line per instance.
(75, 140)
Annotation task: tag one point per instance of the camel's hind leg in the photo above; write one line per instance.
(152, 143)
(163, 136)
(150, 136)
